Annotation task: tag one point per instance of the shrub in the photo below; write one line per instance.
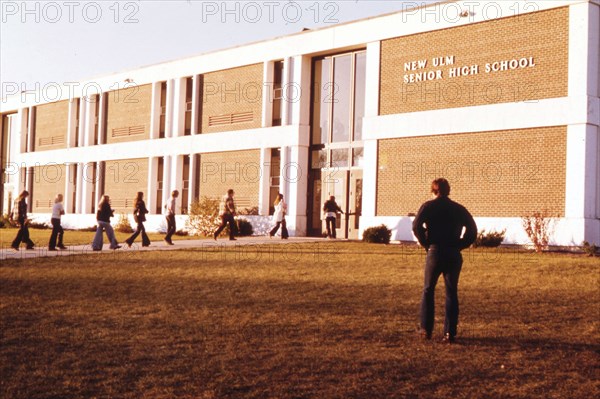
(589, 249)
(123, 225)
(248, 211)
(181, 233)
(203, 217)
(538, 227)
(492, 239)
(378, 235)
(244, 228)
(38, 225)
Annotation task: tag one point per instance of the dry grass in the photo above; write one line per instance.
(329, 320)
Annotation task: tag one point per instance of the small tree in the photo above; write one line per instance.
(538, 227)
(123, 224)
(203, 217)
(489, 239)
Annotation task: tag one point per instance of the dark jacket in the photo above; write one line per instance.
(440, 222)
(331, 206)
(22, 211)
(140, 211)
(104, 213)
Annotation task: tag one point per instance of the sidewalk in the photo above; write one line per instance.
(7, 252)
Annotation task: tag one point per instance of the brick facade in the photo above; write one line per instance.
(128, 113)
(542, 37)
(51, 125)
(232, 93)
(494, 174)
(123, 179)
(48, 180)
(239, 170)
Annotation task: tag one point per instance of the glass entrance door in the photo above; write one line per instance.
(338, 106)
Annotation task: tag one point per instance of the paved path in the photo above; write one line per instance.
(39, 252)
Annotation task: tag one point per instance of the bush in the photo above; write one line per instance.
(203, 217)
(378, 235)
(123, 225)
(38, 225)
(248, 211)
(589, 249)
(538, 227)
(5, 222)
(181, 233)
(244, 228)
(491, 240)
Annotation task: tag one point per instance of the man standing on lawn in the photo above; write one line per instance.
(438, 226)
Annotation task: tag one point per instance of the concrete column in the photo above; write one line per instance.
(265, 181)
(176, 180)
(31, 129)
(155, 111)
(169, 116)
(82, 118)
(295, 176)
(87, 185)
(195, 102)
(370, 160)
(179, 107)
(90, 118)
(267, 93)
(99, 183)
(297, 70)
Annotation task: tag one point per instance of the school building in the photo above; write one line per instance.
(499, 97)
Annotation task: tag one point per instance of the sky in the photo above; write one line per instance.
(43, 42)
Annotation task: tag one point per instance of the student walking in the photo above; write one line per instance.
(279, 217)
(439, 228)
(103, 218)
(57, 231)
(19, 214)
(139, 215)
(170, 216)
(227, 213)
(331, 209)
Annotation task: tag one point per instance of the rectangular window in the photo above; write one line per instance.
(274, 182)
(342, 83)
(77, 109)
(163, 110)
(96, 118)
(321, 101)
(189, 90)
(277, 93)
(159, 185)
(359, 93)
(186, 185)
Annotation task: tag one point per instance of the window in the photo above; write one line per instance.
(277, 93)
(189, 91)
(163, 110)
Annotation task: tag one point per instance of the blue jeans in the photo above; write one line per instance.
(110, 233)
(446, 261)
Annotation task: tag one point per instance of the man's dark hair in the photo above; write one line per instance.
(440, 187)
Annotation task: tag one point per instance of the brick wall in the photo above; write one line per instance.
(233, 92)
(123, 179)
(239, 170)
(494, 174)
(542, 35)
(51, 124)
(128, 108)
(48, 180)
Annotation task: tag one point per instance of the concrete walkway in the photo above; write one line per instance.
(6, 252)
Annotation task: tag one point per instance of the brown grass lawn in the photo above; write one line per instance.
(323, 320)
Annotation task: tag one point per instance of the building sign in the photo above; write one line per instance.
(417, 74)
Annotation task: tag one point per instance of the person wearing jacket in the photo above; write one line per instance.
(139, 215)
(103, 218)
(20, 212)
(439, 228)
(57, 231)
(279, 217)
(331, 209)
